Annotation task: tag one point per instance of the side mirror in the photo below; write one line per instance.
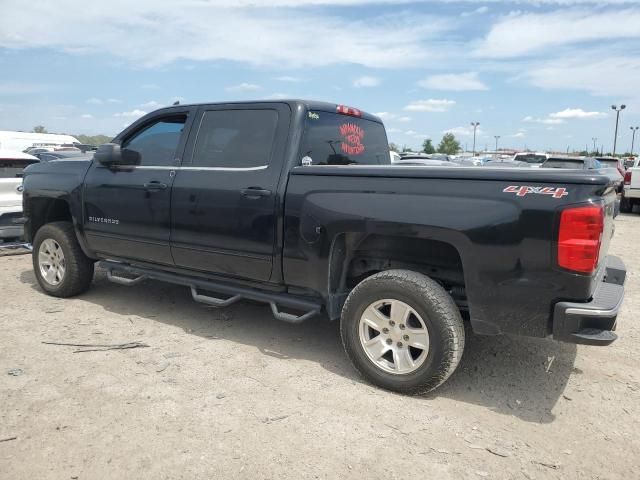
(111, 155)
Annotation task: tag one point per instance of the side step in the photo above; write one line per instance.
(115, 272)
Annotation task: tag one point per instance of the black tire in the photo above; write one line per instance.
(437, 309)
(78, 267)
(625, 205)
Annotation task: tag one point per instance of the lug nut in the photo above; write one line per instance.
(400, 344)
(392, 323)
(402, 327)
(385, 330)
(389, 341)
(406, 338)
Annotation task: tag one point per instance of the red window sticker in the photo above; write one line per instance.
(352, 136)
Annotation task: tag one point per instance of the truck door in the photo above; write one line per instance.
(224, 195)
(127, 209)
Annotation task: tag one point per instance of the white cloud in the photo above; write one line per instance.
(243, 87)
(478, 11)
(431, 105)
(113, 100)
(151, 105)
(593, 71)
(366, 81)
(94, 101)
(576, 113)
(544, 121)
(287, 78)
(521, 34)
(454, 82)
(279, 96)
(387, 116)
(464, 131)
(132, 114)
(86, 115)
(155, 32)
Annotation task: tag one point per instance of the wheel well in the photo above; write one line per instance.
(358, 256)
(46, 210)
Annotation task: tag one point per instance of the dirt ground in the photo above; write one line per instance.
(234, 393)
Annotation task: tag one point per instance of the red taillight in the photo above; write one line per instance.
(580, 238)
(627, 178)
(344, 110)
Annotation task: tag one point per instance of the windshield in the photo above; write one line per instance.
(336, 139)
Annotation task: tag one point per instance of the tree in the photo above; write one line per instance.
(93, 139)
(449, 144)
(427, 146)
(393, 147)
(406, 149)
(39, 129)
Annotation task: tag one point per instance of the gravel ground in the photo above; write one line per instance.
(235, 393)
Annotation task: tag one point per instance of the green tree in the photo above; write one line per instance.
(449, 144)
(93, 139)
(39, 129)
(393, 147)
(427, 146)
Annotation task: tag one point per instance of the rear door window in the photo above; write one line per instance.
(12, 168)
(238, 139)
(335, 139)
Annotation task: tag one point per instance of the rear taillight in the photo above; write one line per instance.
(580, 237)
(627, 178)
(344, 110)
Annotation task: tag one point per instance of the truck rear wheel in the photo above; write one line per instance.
(61, 267)
(402, 331)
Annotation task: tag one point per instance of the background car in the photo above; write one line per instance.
(74, 154)
(534, 158)
(580, 163)
(506, 163)
(12, 164)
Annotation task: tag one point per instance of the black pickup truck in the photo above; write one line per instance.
(294, 204)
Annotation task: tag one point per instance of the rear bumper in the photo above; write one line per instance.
(593, 322)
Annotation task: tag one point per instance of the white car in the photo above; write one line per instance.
(534, 158)
(11, 166)
(631, 192)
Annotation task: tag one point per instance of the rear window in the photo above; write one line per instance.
(12, 168)
(335, 139)
(551, 163)
(608, 163)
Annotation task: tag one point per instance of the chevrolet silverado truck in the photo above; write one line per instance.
(631, 191)
(295, 204)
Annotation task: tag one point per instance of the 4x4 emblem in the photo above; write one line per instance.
(521, 191)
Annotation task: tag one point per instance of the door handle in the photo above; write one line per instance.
(254, 192)
(155, 185)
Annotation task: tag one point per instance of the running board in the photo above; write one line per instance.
(234, 293)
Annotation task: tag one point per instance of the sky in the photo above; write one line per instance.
(541, 74)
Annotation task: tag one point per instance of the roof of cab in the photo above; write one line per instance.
(293, 103)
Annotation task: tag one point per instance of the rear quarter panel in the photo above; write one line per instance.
(506, 242)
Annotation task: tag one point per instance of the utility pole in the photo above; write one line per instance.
(615, 137)
(633, 137)
(496, 137)
(474, 125)
(595, 149)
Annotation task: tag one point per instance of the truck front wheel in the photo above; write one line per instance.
(402, 331)
(61, 267)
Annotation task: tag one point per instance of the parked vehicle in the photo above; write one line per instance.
(613, 162)
(631, 191)
(580, 163)
(424, 161)
(394, 156)
(12, 165)
(294, 204)
(536, 159)
(75, 154)
(20, 141)
(506, 163)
